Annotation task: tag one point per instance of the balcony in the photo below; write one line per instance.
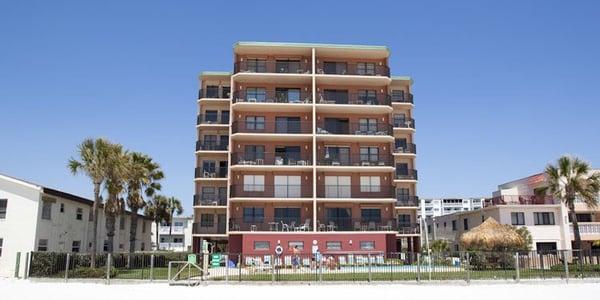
(210, 200)
(271, 159)
(364, 129)
(277, 224)
(408, 148)
(356, 192)
(361, 69)
(402, 98)
(353, 98)
(164, 229)
(409, 174)
(358, 224)
(272, 66)
(408, 123)
(204, 119)
(587, 228)
(407, 201)
(271, 191)
(200, 146)
(277, 127)
(520, 200)
(273, 96)
(214, 93)
(409, 228)
(362, 160)
(219, 172)
(214, 228)
(171, 246)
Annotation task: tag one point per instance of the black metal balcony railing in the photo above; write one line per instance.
(261, 223)
(409, 228)
(284, 127)
(362, 69)
(406, 174)
(212, 119)
(219, 172)
(355, 128)
(358, 224)
(407, 201)
(355, 191)
(404, 123)
(210, 200)
(222, 93)
(200, 146)
(272, 96)
(271, 158)
(366, 160)
(271, 191)
(407, 148)
(520, 200)
(402, 98)
(353, 98)
(207, 228)
(272, 66)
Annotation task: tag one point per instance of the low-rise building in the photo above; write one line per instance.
(38, 218)
(435, 207)
(174, 238)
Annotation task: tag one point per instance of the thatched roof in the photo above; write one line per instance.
(491, 235)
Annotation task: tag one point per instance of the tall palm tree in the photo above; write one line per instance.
(174, 206)
(572, 179)
(116, 174)
(92, 160)
(143, 176)
(157, 210)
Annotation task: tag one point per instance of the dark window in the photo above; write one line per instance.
(46, 210)
(287, 124)
(397, 95)
(43, 245)
(365, 68)
(62, 207)
(454, 225)
(367, 96)
(466, 224)
(226, 92)
(122, 223)
(517, 218)
(254, 152)
(402, 169)
(296, 244)
(399, 120)
(257, 65)
(370, 215)
(261, 245)
(367, 125)
(75, 247)
(287, 66)
(340, 217)
(254, 214)
(543, 218)
(287, 215)
(370, 154)
(401, 144)
(105, 246)
(3, 205)
(404, 220)
(256, 95)
(337, 126)
(1, 243)
(545, 247)
(208, 193)
(335, 67)
(255, 123)
(286, 95)
(337, 155)
(582, 218)
(210, 140)
(209, 167)
(212, 91)
(79, 214)
(336, 96)
(207, 220)
(143, 227)
(211, 116)
(403, 194)
(224, 117)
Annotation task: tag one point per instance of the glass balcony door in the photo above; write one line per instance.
(337, 155)
(287, 124)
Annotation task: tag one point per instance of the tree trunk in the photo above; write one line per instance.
(157, 241)
(577, 244)
(110, 232)
(132, 234)
(170, 229)
(95, 206)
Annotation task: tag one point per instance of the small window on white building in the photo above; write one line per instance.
(1, 243)
(143, 226)
(62, 207)
(143, 246)
(121, 246)
(46, 210)
(122, 223)
(3, 205)
(43, 245)
(76, 246)
(79, 213)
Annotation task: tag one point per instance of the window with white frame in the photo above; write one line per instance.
(367, 245)
(517, 218)
(255, 123)
(370, 184)
(543, 218)
(261, 245)
(333, 245)
(365, 68)
(79, 213)
(337, 187)
(367, 125)
(43, 245)
(287, 186)
(369, 154)
(254, 183)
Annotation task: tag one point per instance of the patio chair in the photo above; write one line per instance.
(357, 226)
(285, 227)
(331, 226)
(304, 227)
(321, 226)
(372, 226)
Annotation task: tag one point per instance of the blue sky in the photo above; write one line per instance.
(501, 88)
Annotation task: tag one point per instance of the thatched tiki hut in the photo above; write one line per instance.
(491, 236)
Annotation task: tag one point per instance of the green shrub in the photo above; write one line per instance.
(88, 272)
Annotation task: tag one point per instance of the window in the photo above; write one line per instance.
(403, 194)
(367, 125)
(454, 225)
(261, 246)
(256, 65)
(296, 244)
(1, 243)
(369, 154)
(370, 184)
(404, 220)
(287, 66)
(365, 68)
(397, 95)
(46, 210)
(105, 247)
(207, 220)
(79, 214)
(255, 123)
(399, 120)
(517, 218)
(177, 240)
(143, 227)
(337, 186)
(62, 207)
(367, 96)
(287, 124)
(543, 218)
(43, 245)
(75, 246)
(287, 186)
(335, 96)
(91, 215)
(120, 246)
(178, 224)
(286, 95)
(211, 116)
(334, 67)
(256, 95)
(254, 153)
(3, 205)
(122, 223)
(143, 246)
(208, 193)
(226, 92)
(212, 91)
(254, 214)
(210, 140)
(287, 215)
(367, 245)
(254, 183)
(465, 224)
(368, 215)
(333, 245)
(545, 247)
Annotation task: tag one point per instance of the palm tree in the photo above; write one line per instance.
(174, 206)
(572, 179)
(116, 174)
(92, 160)
(157, 210)
(143, 175)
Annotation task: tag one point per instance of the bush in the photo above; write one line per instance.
(88, 272)
(577, 267)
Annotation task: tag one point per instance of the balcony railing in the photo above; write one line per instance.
(164, 229)
(215, 228)
(210, 200)
(353, 98)
(379, 129)
(261, 223)
(200, 146)
(211, 119)
(271, 158)
(271, 191)
(219, 172)
(272, 66)
(407, 201)
(410, 175)
(170, 246)
(272, 96)
(364, 160)
(222, 93)
(587, 228)
(355, 191)
(519, 200)
(282, 127)
(408, 148)
(403, 98)
(405, 123)
(409, 228)
(358, 224)
(361, 69)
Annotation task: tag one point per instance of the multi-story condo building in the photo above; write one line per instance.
(38, 218)
(173, 237)
(438, 207)
(303, 144)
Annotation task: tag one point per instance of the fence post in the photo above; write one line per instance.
(17, 264)
(518, 278)
(468, 267)
(272, 270)
(26, 272)
(370, 275)
(151, 267)
(240, 267)
(320, 257)
(108, 263)
(67, 266)
(226, 268)
(418, 268)
(566, 264)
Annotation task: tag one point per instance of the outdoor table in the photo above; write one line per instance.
(274, 226)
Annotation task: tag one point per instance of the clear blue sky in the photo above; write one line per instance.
(501, 88)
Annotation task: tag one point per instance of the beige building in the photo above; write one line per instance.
(303, 143)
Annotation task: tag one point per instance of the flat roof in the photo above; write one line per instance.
(310, 45)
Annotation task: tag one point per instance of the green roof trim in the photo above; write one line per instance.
(312, 45)
(215, 73)
(402, 78)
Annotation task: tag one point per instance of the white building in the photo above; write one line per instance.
(175, 238)
(38, 218)
(439, 207)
